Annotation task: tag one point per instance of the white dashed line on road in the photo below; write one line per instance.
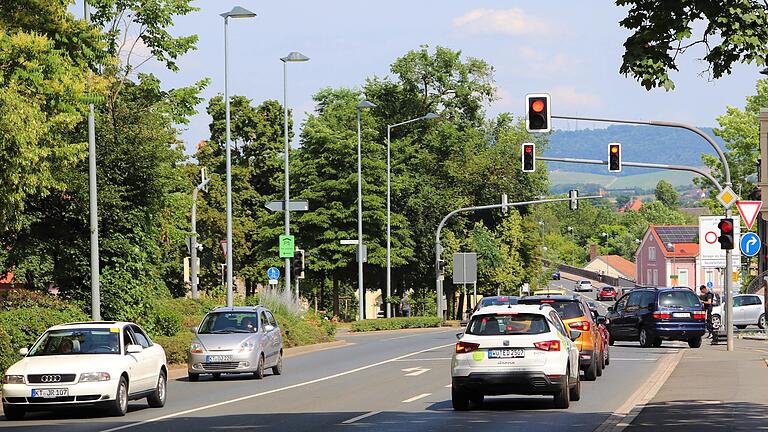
(360, 417)
(415, 398)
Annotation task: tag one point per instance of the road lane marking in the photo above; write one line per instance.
(417, 397)
(360, 417)
(449, 386)
(268, 392)
(415, 371)
(635, 359)
(425, 359)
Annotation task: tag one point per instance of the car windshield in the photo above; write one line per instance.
(77, 341)
(680, 299)
(507, 324)
(229, 322)
(566, 309)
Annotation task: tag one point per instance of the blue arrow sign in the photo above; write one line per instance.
(273, 273)
(750, 244)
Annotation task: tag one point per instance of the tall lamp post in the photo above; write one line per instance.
(361, 290)
(291, 57)
(671, 248)
(236, 12)
(93, 198)
(428, 116)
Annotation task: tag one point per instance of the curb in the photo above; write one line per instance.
(627, 412)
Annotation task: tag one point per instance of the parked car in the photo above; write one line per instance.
(748, 309)
(556, 275)
(651, 315)
(583, 285)
(518, 349)
(103, 363)
(236, 340)
(607, 293)
(576, 315)
(495, 301)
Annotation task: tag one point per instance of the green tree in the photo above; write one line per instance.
(667, 195)
(733, 31)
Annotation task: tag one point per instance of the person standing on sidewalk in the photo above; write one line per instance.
(707, 299)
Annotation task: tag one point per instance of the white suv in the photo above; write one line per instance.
(88, 363)
(516, 349)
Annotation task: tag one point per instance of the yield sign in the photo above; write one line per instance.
(748, 211)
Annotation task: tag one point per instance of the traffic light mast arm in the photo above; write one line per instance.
(697, 131)
(639, 165)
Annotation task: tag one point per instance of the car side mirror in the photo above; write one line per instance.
(193, 329)
(611, 309)
(459, 335)
(24, 351)
(269, 328)
(134, 349)
(575, 334)
(600, 320)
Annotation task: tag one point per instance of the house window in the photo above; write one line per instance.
(655, 277)
(649, 277)
(651, 253)
(682, 278)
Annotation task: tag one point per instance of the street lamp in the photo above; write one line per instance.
(362, 105)
(291, 57)
(428, 116)
(671, 247)
(236, 12)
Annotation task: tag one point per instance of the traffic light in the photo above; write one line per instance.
(614, 157)
(726, 233)
(573, 194)
(297, 267)
(538, 116)
(441, 267)
(529, 157)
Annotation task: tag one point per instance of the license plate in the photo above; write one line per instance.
(218, 358)
(681, 315)
(506, 353)
(50, 393)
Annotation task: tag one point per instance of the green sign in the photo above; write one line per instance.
(286, 246)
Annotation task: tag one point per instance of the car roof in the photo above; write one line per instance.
(238, 309)
(90, 324)
(556, 297)
(518, 308)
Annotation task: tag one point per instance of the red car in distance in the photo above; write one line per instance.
(607, 293)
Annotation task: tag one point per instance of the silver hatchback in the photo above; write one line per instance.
(236, 340)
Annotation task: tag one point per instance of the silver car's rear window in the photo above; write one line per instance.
(507, 324)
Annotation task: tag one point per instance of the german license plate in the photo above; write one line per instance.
(218, 358)
(50, 393)
(681, 315)
(506, 353)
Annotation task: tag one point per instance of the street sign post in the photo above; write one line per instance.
(750, 244)
(712, 256)
(727, 197)
(273, 273)
(287, 245)
(748, 211)
(278, 206)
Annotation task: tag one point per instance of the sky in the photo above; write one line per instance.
(571, 50)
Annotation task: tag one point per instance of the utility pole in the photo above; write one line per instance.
(93, 197)
(762, 184)
(193, 237)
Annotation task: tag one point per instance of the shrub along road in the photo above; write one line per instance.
(380, 380)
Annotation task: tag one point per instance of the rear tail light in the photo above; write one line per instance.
(466, 347)
(700, 315)
(662, 315)
(547, 301)
(552, 345)
(583, 326)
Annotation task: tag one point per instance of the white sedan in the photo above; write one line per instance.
(516, 349)
(89, 363)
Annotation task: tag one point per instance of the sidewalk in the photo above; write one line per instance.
(712, 390)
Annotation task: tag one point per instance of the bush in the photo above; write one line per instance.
(298, 331)
(176, 346)
(395, 323)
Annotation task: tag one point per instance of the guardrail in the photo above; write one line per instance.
(608, 280)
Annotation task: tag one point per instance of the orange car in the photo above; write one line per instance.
(576, 314)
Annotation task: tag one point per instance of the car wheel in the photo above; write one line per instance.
(157, 399)
(715, 321)
(761, 321)
(259, 373)
(590, 374)
(694, 342)
(575, 391)
(646, 341)
(277, 369)
(657, 342)
(13, 412)
(741, 327)
(193, 377)
(459, 400)
(563, 397)
(119, 406)
(477, 398)
(599, 365)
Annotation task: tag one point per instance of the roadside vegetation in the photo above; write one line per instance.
(395, 323)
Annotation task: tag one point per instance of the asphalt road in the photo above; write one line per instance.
(398, 381)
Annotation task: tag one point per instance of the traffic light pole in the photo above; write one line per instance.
(726, 176)
(503, 206)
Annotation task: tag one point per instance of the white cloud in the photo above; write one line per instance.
(499, 21)
(571, 97)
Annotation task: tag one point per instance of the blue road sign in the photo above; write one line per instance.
(710, 284)
(273, 273)
(750, 244)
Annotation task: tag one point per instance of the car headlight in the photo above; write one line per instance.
(94, 377)
(247, 346)
(13, 379)
(196, 348)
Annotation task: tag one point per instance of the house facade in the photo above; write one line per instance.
(613, 266)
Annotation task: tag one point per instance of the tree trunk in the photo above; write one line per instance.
(335, 294)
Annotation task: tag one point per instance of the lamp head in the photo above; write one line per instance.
(365, 104)
(238, 12)
(294, 57)
(430, 116)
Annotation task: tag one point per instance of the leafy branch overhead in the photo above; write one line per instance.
(733, 31)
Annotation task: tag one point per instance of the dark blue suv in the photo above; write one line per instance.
(650, 315)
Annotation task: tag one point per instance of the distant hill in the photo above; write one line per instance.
(561, 181)
(638, 143)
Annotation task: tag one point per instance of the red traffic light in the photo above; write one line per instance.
(537, 105)
(726, 227)
(528, 149)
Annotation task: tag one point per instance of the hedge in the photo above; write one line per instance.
(395, 323)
